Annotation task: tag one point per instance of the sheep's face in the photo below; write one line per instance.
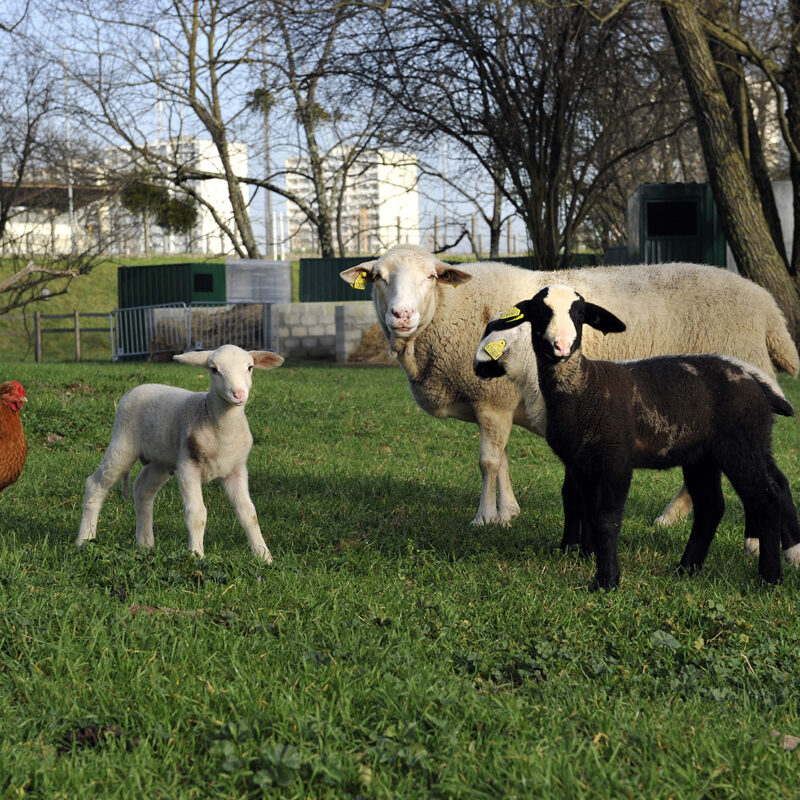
(505, 350)
(404, 282)
(557, 315)
(231, 369)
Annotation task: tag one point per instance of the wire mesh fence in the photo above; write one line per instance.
(160, 331)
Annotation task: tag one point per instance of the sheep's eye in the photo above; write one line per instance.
(213, 370)
(377, 277)
(250, 368)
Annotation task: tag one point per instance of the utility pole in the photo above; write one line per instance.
(68, 142)
(270, 243)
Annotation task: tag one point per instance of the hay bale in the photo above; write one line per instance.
(373, 349)
(209, 328)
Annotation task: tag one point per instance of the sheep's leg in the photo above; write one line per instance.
(605, 501)
(239, 494)
(145, 488)
(704, 481)
(194, 509)
(115, 464)
(678, 508)
(790, 527)
(763, 504)
(495, 428)
(576, 529)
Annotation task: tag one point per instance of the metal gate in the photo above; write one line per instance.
(158, 332)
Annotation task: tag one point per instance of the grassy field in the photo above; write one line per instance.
(392, 650)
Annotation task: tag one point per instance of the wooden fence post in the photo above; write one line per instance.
(37, 336)
(77, 335)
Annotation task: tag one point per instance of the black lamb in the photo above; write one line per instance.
(705, 413)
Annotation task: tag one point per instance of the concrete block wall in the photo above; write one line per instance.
(330, 330)
(352, 319)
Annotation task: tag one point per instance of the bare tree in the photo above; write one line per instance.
(49, 204)
(262, 73)
(536, 92)
(731, 150)
(335, 128)
(154, 77)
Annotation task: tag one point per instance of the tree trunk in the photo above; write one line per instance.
(496, 223)
(735, 192)
(733, 83)
(791, 85)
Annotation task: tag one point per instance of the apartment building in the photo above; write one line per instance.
(379, 203)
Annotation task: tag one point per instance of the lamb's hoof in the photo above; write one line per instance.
(483, 519)
(508, 513)
(672, 515)
(752, 546)
(263, 555)
(792, 555)
(604, 584)
(772, 578)
(689, 569)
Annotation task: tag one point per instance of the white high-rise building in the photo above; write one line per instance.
(380, 202)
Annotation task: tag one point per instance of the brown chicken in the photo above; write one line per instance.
(13, 447)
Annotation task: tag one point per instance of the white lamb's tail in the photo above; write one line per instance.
(125, 483)
(780, 345)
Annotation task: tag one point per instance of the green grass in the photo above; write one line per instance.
(392, 650)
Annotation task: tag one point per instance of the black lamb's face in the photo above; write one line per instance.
(558, 314)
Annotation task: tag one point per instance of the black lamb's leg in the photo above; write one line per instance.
(790, 527)
(765, 502)
(604, 500)
(576, 533)
(704, 482)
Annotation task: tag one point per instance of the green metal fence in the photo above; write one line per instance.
(156, 284)
(320, 281)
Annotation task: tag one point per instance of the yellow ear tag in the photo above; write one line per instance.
(511, 315)
(360, 282)
(495, 349)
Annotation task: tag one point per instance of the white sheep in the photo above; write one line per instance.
(433, 328)
(198, 436)
(707, 414)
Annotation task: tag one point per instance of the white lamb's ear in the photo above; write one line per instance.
(266, 359)
(195, 358)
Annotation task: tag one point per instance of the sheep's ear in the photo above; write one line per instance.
(602, 320)
(446, 273)
(358, 277)
(510, 318)
(266, 359)
(195, 358)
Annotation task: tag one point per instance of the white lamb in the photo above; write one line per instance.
(198, 436)
(433, 316)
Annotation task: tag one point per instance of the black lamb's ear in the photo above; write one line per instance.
(514, 316)
(602, 320)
